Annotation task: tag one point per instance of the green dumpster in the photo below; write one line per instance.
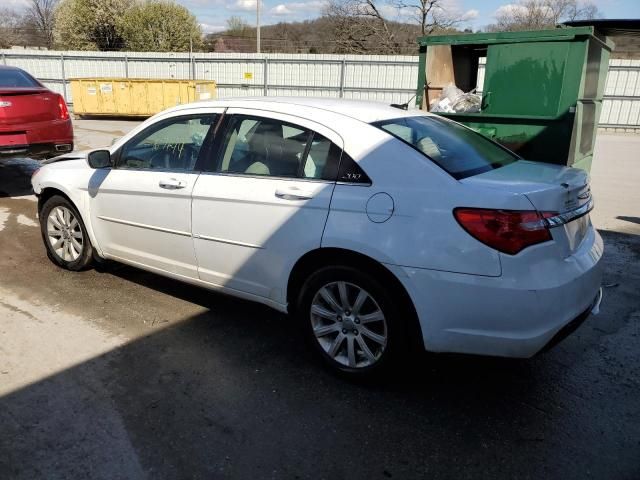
(542, 90)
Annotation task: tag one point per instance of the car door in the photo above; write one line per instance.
(266, 202)
(141, 208)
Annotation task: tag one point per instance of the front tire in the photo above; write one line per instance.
(351, 320)
(64, 234)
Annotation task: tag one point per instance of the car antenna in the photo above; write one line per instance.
(403, 106)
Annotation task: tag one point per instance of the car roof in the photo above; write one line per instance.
(365, 111)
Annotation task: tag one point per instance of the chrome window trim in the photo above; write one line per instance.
(268, 177)
(566, 217)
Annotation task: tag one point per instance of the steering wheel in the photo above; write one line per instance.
(160, 159)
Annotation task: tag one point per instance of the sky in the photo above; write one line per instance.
(213, 14)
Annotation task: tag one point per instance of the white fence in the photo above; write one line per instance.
(391, 79)
(371, 77)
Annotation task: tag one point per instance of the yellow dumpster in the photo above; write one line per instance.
(135, 96)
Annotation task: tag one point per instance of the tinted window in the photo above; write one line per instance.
(17, 78)
(173, 144)
(457, 149)
(269, 147)
(350, 172)
(322, 159)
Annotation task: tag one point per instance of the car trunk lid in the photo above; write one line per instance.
(561, 193)
(26, 105)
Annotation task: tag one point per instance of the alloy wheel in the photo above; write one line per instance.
(348, 324)
(65, 234)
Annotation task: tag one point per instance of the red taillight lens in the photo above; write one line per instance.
(508, 231)
(62, 108)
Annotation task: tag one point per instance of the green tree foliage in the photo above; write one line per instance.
(238, 26)
(89, 24)
(159, 26)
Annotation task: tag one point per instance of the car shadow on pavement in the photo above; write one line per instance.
(629, 219)
(15, 176)
(233, 393)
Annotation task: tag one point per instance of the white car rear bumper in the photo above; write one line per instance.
(510, 316)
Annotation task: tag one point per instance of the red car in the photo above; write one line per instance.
(34, 121)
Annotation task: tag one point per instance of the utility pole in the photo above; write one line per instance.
(258, 26)
(191, 66)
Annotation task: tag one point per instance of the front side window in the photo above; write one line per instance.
(172, 144)
(458, 150)
(268, 147)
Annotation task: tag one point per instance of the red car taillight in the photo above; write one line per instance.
(508, 231)
(62, 108)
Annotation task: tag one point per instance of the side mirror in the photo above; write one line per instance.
(99, 159)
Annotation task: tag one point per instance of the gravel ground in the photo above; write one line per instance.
(117, 373)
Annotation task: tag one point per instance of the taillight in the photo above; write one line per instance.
(509, 231)
(63, 111)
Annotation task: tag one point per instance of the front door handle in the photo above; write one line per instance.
(172, 184)
(292, 193)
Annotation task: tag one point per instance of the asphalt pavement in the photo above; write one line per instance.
(118, 373)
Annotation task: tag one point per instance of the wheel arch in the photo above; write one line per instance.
(51, 191)
(331, 256)
(47, 192)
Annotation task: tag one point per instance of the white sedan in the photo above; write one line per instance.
(377, 228)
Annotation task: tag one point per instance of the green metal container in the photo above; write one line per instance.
(542, 91)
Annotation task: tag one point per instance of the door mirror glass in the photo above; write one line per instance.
(99, 159)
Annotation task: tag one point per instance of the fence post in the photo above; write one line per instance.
(265, 76)
(126, 66)
(342, 73)
(64, 78)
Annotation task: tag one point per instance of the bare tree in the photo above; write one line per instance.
(429, 14)
(360, 27)
(582, 11)
(10, 27)
(541, 14)
(41, 16)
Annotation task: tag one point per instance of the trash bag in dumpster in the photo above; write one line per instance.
(468, 103)
(454, 100)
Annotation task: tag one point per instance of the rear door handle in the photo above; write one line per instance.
(293, 193)
(172, 184)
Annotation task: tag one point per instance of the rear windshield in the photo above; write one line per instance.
(457, 149)
(17, 79)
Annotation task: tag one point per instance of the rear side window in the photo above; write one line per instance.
(268, 147)
(458, 150)
(10, 78)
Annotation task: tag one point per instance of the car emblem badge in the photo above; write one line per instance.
(5, 104)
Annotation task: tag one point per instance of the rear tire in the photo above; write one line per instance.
(64, 234)
(352, 321)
